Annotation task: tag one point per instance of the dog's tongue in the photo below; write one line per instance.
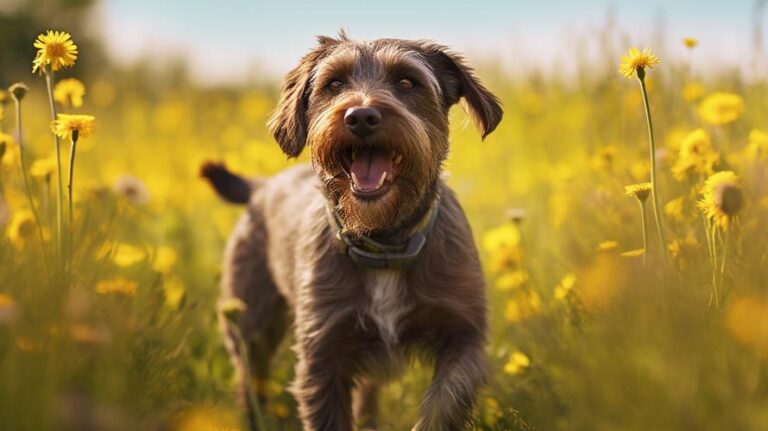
(369, 168)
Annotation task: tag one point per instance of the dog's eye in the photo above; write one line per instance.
(335, 85)
(405, 83)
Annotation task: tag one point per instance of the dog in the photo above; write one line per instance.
(365, 250)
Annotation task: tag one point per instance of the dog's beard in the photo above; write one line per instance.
(403, 134)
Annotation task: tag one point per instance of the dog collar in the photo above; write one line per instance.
(369, 253)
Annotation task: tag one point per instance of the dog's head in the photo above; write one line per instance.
(375, 117)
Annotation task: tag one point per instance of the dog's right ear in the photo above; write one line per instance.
(288, 123)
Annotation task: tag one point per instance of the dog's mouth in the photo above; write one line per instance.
(371, 170)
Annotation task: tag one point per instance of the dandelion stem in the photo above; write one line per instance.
(60, 191)
(24, 172)
(72, 149)
(654, 181)
(645, 232)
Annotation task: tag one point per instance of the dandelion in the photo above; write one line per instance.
(607, 246)
(722, 198)
(132, 189)
(174, 292)
(636, 61)
(634, 253)
(21, 228)
(43, 169)
(523, 304)
(165, 259)
(232, 308)
(18, 91)
(746, 320)
(675, 209)
(721, 108)
(7, 144)
(564, 288)
(73, 127)
(757, 149)
(690, 42)
(517, 363)
(696, 156)
(512, 280)
(123, 255)
(641, 192)
(693, 91)
(69, 92)
(117, 287)
(503, 245)
(682, 250)
(55, 50)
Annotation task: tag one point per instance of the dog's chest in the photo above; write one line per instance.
(385, 292)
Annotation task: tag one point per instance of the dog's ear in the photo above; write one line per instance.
(288, 123)
(458, 80)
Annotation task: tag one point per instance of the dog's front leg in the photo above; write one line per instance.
(448, 402)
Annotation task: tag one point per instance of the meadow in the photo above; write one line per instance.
(111, 321)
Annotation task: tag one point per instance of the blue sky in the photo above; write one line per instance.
(237, 39)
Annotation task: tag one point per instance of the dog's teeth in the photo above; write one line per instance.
(381, 180)
(398, 158)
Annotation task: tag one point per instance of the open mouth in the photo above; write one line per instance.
(371, 170)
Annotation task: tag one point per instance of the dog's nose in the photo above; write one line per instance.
(362, 121)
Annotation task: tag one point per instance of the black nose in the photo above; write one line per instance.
(362, 121)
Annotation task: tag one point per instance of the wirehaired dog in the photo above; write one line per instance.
(367, 251)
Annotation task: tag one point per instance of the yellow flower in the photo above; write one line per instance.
(634, 253)
(517, 363)
(696, 156)
(42, 169)
(512, 280)
(118, 287)
(693, 91)
(503, 245)
(608, 246)
(758, 145)
(674, 209)
(746, 320)
(22, 227)
(522, 305)
(231, 308)
(8, 151)
(603, 160)
(722, 198)
(54, 49)
(637, 61)
(123, 255)
(165, 259)
(65, 126)
(690, 42)
(174, 291)
(640, 191)
(683, 250)
(69, 92)
(721, 108)
(565, 286)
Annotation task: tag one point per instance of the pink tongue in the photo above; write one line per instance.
(368, 167)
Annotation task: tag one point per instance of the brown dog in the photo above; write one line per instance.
(367, 249)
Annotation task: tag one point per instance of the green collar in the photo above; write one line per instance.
(369, 253)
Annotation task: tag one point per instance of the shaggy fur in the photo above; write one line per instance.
(356, 327)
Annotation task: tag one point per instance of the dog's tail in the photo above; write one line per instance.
(230, 186)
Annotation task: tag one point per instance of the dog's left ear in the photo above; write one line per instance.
(458, 80)
(288, 123)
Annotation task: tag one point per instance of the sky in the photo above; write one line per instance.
(224, 40)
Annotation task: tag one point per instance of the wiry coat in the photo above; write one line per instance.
(357, 326)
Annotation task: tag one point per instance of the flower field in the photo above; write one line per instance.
(625, 248)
